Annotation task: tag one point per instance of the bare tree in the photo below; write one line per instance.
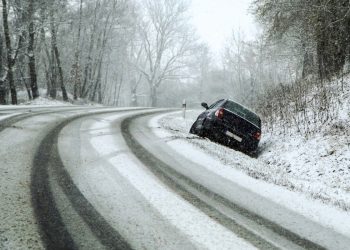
(136, 59)
(56, 55)
(166, 41)
(9, 52)
(320, 26)
(233, 58)
(3, 77)
(31, 55)
(108, 30)
(95, 41)
(76, 66)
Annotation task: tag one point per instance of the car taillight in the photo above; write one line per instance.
(257, 136)
(219, 113)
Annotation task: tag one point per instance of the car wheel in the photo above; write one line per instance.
(198, 131)
(201, 132)
(193, 129)
(252, 151)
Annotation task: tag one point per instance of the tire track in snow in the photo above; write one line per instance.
(187, 189)
(10, 121)
(53, 230)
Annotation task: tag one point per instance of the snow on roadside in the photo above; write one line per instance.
(8, 111)
(42, 101)
(239, 168)
(45, 100)
(4, 117)
(318, 167)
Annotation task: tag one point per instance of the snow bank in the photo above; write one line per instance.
(43, 101)
(272, 181)
(318, 167)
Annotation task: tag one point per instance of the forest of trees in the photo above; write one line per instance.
(320, 29)
(115, 52)
(317, 34)
(146, 52)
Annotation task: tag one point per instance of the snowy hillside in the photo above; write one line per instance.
(318, 166)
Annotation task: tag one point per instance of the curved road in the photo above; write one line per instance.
(99, 178)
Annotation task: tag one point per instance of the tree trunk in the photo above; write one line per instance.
(53, 75)
(76, 66)
(58, 61)
(29, 93)
(9, 53)
(31, 64)
(100, 93)
(133, 102)
(2, 93)
(97, 82)
(87, 70)
(60, 72)
(308, 64)
(45, 55)
(121, 79)
(153, 96)
(52, 67)
(2, 78)
(25, 84)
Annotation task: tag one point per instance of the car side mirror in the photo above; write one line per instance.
(205, 105)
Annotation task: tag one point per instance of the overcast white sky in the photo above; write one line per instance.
(215, 20)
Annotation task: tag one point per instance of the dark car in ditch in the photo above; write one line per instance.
(229, 123)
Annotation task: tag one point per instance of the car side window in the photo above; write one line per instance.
(215, 104)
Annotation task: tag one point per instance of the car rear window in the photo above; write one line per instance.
(215, 104)
(243, 112)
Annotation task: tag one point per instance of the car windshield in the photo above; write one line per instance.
(243, 112)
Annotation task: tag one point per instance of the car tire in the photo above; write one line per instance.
(201, 132)
(195, 130)
(252, 151)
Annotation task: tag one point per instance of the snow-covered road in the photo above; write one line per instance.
(103, 178)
